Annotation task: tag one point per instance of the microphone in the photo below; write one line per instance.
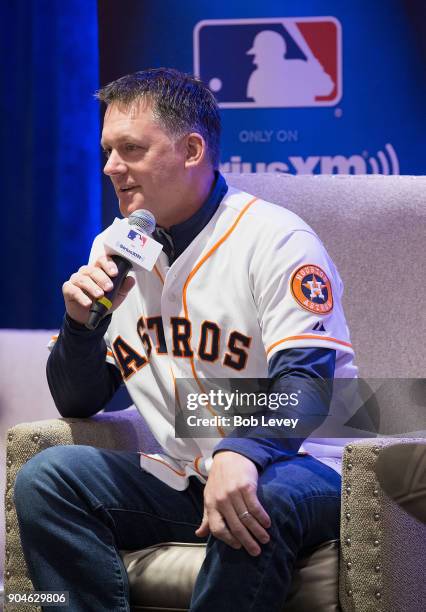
(145, 222)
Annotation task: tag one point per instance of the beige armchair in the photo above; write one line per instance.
(372, 227)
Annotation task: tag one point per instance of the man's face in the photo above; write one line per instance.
(146, 166)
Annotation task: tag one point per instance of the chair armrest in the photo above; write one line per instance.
(121, 430)
(382, 566)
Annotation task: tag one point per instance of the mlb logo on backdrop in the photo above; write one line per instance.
(270, 63)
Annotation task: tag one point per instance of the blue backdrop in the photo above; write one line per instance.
(50, 157)
(352, 83)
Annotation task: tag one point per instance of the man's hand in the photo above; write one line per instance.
(90, 283)
(231, 493)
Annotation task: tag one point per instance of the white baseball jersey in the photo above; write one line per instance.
(255, 280)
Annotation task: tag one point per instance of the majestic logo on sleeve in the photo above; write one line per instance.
(311, 289)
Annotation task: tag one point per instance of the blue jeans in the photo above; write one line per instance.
(78, 506)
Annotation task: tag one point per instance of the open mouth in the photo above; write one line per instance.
(122, 189)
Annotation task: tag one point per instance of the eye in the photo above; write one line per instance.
(106, 152)
(129, 147)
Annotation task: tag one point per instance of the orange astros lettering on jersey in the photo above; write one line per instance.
(181, 333)
(143, 335)
(237, 356)
(156, 323)
(311, 289)
(208, 349)
(128, 359)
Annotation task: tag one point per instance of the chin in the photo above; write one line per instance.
(127, 208)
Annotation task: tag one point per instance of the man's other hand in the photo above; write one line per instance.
(232, 511)
(91, 283)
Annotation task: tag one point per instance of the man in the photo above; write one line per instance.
(240, 290)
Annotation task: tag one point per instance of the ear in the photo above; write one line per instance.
(196, 149)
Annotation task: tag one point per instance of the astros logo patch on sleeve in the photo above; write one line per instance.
(311, 289)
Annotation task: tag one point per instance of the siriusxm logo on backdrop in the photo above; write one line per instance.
(270, 63)
(321, 164)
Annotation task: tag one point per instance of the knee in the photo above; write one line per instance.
(36, 476)
(277, 501)
(285, 504)
(302, 514)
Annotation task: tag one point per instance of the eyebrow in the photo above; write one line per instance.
(123, 138)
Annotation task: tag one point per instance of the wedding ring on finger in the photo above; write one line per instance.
(244, 515)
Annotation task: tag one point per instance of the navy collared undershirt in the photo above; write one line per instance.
(178, 237)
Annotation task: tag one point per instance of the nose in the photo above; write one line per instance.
(114, 165)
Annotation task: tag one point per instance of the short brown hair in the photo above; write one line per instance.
(180, 102)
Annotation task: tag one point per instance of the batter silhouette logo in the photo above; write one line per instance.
(270, 63)
(133, 235)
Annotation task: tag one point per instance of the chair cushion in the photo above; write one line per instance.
(162, 578)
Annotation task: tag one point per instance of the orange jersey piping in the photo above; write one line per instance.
(308, 337)
(157, 271)
(210, 252)
(191, 276)
(196, 460)
(164, 463)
